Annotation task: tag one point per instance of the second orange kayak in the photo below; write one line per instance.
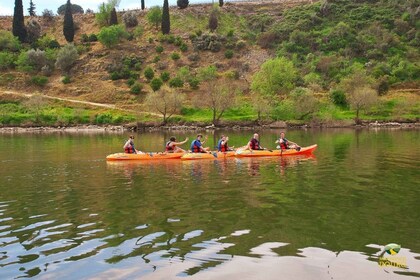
(145, 156)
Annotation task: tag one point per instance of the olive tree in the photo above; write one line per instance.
(165, 101)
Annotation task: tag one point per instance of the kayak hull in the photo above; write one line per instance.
(267, 153)
(145, 156)
(215, 155)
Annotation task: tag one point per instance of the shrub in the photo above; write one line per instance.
(159, 49)
(66, 58)
(47, 15)
(112, 35)
(8, 42)
(240, 44)
(66, 80)
(138, 32)
(165, 76)
(182, 4)
(131, 81)
(149, 73)
(130, 19)
(39, 80)
(36, 59)
(183, 47)
(47, 42)
(175, 56)
(170, 39)
(178, 41)
(156, 59)
(338, 97)
(267, 40)
(47, 70)
(156, 84)
(176, 82)
(229, 54)
(33, 29)
(136, 88)
(84, 38)
(194, 82)
(22, 62)
(230, 33)
(154, 16)
(7, 60)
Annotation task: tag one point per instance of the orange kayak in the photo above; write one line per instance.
(145, 156)
(267, 153)
(214, 155)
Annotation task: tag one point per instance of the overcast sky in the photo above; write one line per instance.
(7, 6)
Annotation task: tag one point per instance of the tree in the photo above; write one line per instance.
(111, 36)
(221, 3)
(156, 84)
(166, 22)
(68, 27)
(113, 19)
(19, 22)
(305, 102)
(31, 9)
(182, 4)
(103, 17)
(165, 102)
(75, 9)
(142, 5)
(33, 30)
(154, 16)
(276, 76)
(262, 106)
(213, 21)
(66, 58)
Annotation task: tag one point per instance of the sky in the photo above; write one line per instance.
(7, 6)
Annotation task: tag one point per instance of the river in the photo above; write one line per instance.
(66, 213)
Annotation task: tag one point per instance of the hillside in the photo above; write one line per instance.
(326, 42)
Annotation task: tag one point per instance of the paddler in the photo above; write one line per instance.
(172, 145)
(254, 144)
(285, 144)
(197, 145)
(129, 146)
(222, 145)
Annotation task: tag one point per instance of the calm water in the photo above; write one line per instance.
(65, 213)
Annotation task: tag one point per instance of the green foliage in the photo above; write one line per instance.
(8, 42)
(47, 42)
(156, 84)
(176, 82)
(18, 27)
(159, 49)
(156, 59)
(7, 60)
(66, 80)
(103, 16)
(276, 76)
(138, 31)
(338, 97)
(68, 26)
(112, 35)
(166, 23)
(183, 47)
(131, 81)
(66, 58)
(136, 88)
(154, 16)
(75, 9)
(149, 73)
(39, 80)
(229, 54)
(175, 56)
(207, 73)
(194, 83)
(165, 76)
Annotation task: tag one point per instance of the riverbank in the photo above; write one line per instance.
(150, 126)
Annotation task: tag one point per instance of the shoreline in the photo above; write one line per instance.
(202, 126)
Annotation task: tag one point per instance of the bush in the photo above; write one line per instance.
(112, 35)
(39, 80)
(176, 82)
(240, 44)
(338, 97)
(47, 42)
(178, 41)
(156, 84)
(136, 88)
(183, 47)
(66, 80)
(33, 29)
(159, 49)
(66, 58)
(149, 73)
(230, 33)
(175, 56)
(154, 16)
(47, 15)
(37, 59)
(194, 82)
(8, 42)
(131, 81)
(130, 19)
(229, 54)
(156, 59)
(182, 4)
(138, 32)
(165, 76)
(7, 60)
(267, 40)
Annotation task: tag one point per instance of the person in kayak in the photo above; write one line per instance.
(222, 145)
(254, 144)
(285, 144)
(197, 145)
(172, 146)
(129, 146)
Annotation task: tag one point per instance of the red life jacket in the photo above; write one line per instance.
(222, 148)
(284, 145)
(255, 145)
(129, 150)
(170, 148)
(194, 147)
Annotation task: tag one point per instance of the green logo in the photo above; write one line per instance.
(392, 248)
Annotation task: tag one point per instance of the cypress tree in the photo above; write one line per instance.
(19, 21)
(166, 22)
(113, 20)
(142, 4)
(68, 26)
(31, 9)
(221, 3)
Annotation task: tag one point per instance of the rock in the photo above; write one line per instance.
(278, 124)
